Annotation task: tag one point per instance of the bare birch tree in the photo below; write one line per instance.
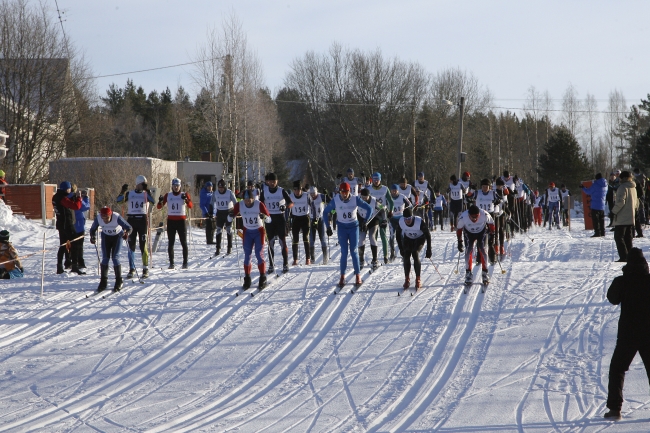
(592, 122)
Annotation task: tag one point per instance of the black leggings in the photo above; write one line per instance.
(300, 224)
(411, 249)
(624, 353)
(173, 227)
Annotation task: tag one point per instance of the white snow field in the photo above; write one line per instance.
(182, 353)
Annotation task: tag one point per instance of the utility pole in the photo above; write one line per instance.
(460, 133)
(415, 172)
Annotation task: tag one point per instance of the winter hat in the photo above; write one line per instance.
(350, 170)
(394, 187)
(636, 170)
(466, 174)
(106, 211)
(271, 176)
(635, 257)
(452, 178)
(248, 194)
(2, 173)
(365, 192)
(474, 210)
(421, 174)
(250, 183)
(296, 184)
(208, 183)
(485, 181)
(599, 176)
(313, 190)
(176, 181)
(4, 236)
(551, 184)
(499, 181)
(376, 176)
(140, 179)
(344, 187)
(407, 213)
(65, 185)
(506, 174)
(221, 183)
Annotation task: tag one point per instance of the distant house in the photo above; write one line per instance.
(37, 110)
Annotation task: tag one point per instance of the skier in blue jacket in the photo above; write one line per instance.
(598, 192)
(347, 224)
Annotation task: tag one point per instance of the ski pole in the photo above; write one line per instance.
(98, 260)
(270, 255)
(525, 232)
(457, 263)
(237, 252)
(436, 268)
(498, 261)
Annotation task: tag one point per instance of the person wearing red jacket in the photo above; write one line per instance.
(177, 204)
(64, 208)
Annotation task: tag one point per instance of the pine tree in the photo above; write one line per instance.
(563, 161)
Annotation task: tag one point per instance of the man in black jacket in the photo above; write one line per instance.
(64, 208)
(632, 291)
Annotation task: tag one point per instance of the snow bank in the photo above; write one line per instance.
(14, 223)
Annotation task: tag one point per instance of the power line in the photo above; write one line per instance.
(361, 104)
(158, 68)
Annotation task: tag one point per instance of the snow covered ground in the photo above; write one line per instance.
(182, 353)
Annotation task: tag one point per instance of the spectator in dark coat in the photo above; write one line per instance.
(632, 291)
(80, 224)
(611, 194)
(597, 191)
(64, 208)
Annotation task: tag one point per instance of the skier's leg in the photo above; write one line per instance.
(406, 260)
(259, 251)
(342, 235)
(182, 237)
(171, 238)
(116, 246)
(247, 246)
(417, 265)
(354, 244)
(384, 241)
(295, 231)
(305, 238)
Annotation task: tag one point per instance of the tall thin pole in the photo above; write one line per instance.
(43, 267)
(414, 160)
(460, 132)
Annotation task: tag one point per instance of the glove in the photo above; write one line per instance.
(383, 224)
(125, 236)
(230, 217)
(282, 208)
(267, 220)
(428, 253)
(390, 214)
(125, 187)
(144, 186)
(160, 199)
(460, 246)
(314, 223)
(184, 196)
(330, 232)
(363, 226)
(92, 240)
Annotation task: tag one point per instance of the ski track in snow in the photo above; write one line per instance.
(182, 353)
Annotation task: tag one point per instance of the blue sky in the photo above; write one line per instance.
(509, 45)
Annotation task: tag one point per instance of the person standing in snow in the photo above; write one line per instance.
(137, 201)
(3, 182)
(553, 203)
(80, 224)
(114, 229)
(207, 210)
(411, 234)
(253, 213)
(474, 225)
(10, 266)
(624, 213)
(381, 193)
(223, 200)
(632, 292)
(597, 191)
(456, 196)
(348, 225)
(64, 209)
(177, 204)
(438, 203)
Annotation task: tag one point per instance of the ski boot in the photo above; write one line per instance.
(130, 274)
(271, 269)
(418, 283)
(325, 258)
(67, 264)
(385, 260)
(358, 280)
(485, 277)
(78, 270)
(118, 278)
(469, 278)
(103, 281)
(407, 283)
(217, 252)
(228, 251)
(375, 265)
(247, 282)
(342, 281)
(362, 261)
(184, 265)
(171, 266)
(308, 262)
(145, 272)
(285, 268)
(295, 263)
(392, 254)
(59, 269)
(262, 283)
